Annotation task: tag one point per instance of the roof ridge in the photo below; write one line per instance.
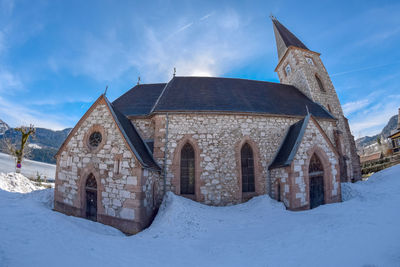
(162, 92)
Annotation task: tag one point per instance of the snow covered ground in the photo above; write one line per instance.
(29, 167)
(364, 230)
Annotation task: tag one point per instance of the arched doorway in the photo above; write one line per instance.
(91, 198)
(316, 184)
(187, 170)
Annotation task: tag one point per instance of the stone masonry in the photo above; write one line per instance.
(124, 196)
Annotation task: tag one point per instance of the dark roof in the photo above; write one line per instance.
(208, 94)
(288, 38)
(140, 99)
(290, 144)
(136, 143)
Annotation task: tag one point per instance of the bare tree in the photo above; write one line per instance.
(18, 152)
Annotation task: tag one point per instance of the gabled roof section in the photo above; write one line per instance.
(284, 38)
(128, 131)
(292, 141)
(290, 144)
(131, 135)
(139, 100)
(211, 94)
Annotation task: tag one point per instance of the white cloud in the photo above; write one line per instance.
(351, 107)
(371, 121)
(9, 81)
(18, 114)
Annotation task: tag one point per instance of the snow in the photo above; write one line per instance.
(16, 182)
(361, 231)
(35, 146)
(30, 168)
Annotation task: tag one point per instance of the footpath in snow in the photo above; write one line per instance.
(363, 230)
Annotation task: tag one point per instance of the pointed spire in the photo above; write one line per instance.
(284, 38)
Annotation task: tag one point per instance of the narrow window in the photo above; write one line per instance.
(288, 70)
(117, 166)
(247, 161)
(278, 197)
(321, 86)
(187, 170)
(329, 108)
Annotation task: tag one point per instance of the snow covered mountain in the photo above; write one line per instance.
(3, 127)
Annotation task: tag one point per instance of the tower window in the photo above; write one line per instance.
(288, 69)
(321, 86)
(310, 61)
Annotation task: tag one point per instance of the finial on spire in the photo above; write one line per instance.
(138, 80)
(174, 72)
(272, 16)
(105, 91)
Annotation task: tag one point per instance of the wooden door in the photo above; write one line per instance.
(316, 191)
(91, 205)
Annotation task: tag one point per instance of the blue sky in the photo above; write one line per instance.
(56, 57)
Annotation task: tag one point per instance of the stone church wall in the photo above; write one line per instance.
(303, 77)
(295, 177)
(217, 140)
(121, 201)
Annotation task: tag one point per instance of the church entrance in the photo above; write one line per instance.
(91, 198)
(316, 184)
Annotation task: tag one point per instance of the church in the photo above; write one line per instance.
(218, 141)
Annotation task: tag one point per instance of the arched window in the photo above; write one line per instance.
(316, 177)
(321, 86)
(91, 198)
(247, 162)
(187, 170)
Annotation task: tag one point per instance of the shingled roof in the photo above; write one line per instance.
(140, 99)
(209, 94)
(284, 38)
(290, 144)
(136, 143)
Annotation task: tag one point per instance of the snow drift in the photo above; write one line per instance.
(15, 182)
(363, 230)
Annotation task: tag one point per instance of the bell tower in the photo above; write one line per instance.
(303, 68)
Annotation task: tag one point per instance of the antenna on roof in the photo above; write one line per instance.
(138, 80)
(105, 91)
(308, 112)
(174, 71)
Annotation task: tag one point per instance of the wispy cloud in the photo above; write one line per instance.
(206, 16)
(351, 107)
(364, 68)
(371, 120)
(20, 114)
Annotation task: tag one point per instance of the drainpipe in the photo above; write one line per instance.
(165, 153)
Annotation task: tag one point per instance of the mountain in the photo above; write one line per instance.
(43, 145)
(368, 140)
(3, 127)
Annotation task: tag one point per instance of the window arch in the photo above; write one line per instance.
(320, 84)
(187, 174)
(247, 166)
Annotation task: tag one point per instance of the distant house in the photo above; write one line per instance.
(371, 157)
(395, 137)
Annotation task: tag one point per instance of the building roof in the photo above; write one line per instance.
(210, 94)
(290, 144)
(284, 38)
(371, 157)
(140, 99)
(131, 135)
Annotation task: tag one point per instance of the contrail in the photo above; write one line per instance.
(362, 69)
